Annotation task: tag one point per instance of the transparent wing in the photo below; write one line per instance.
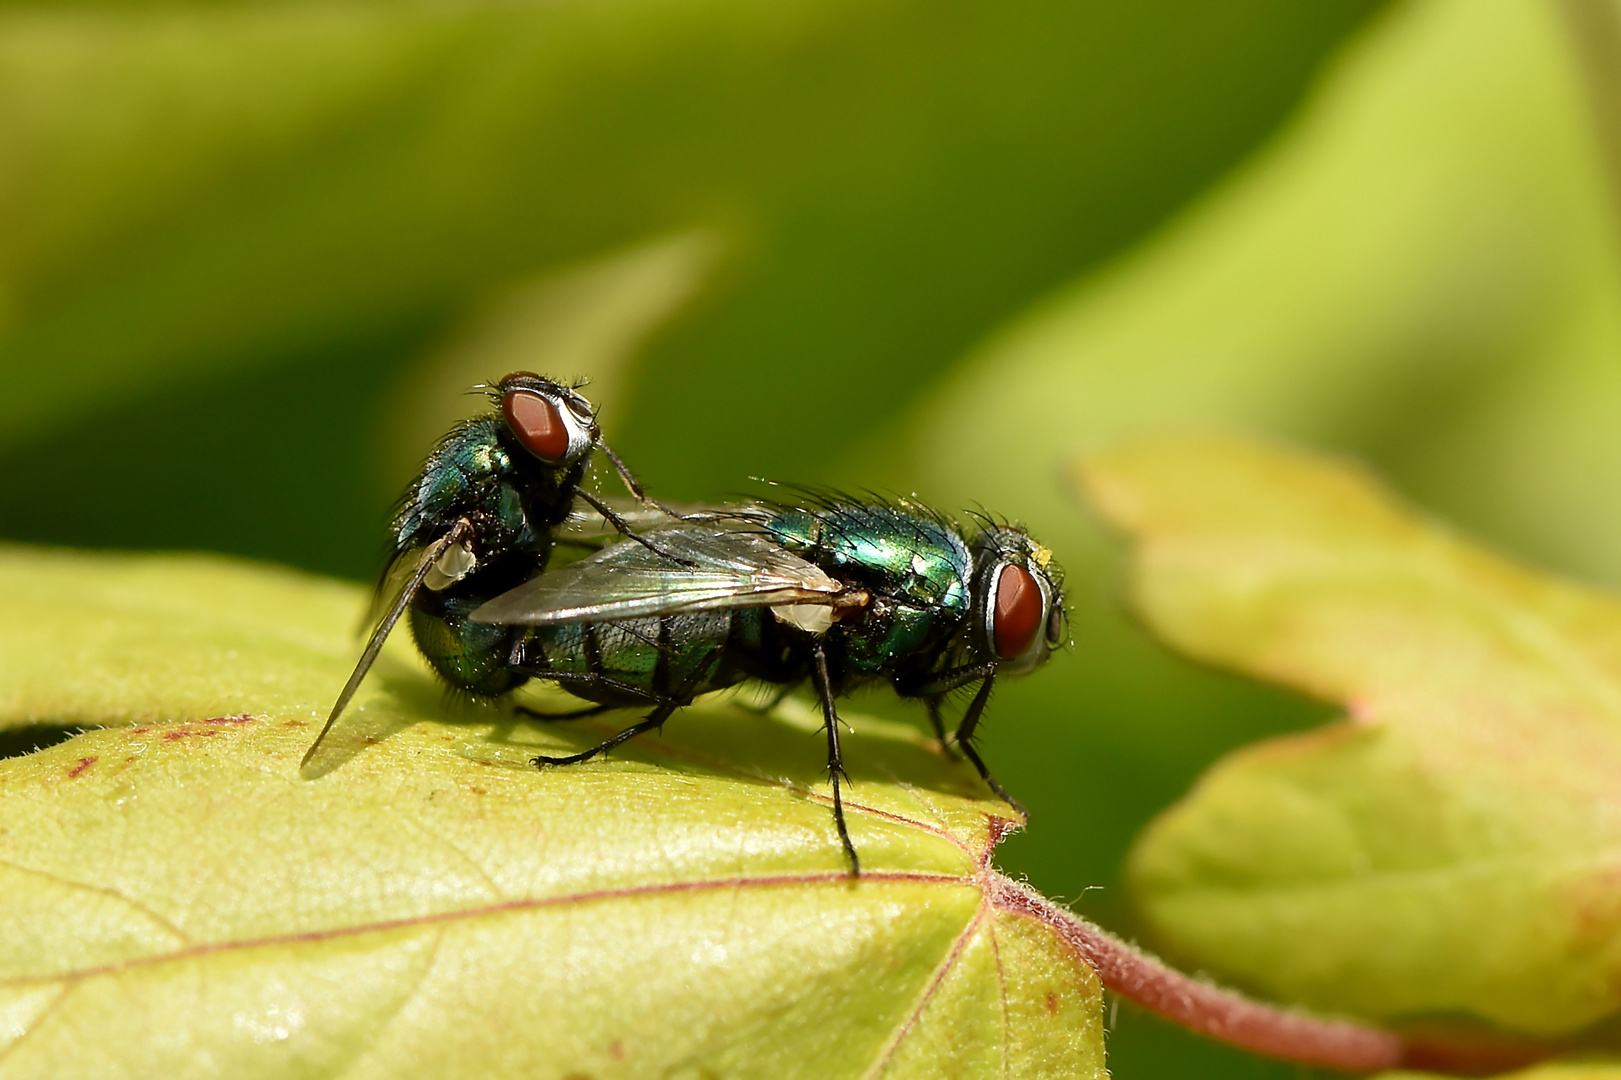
(395, 580)
(727, 569)
(585, 526)
(407, 588)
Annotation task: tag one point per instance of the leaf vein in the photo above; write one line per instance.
(102, 890)
(836, 878)
(938, 978)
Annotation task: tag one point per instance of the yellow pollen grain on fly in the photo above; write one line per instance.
(1042, 556)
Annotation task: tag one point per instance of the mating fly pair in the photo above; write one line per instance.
(836, 592)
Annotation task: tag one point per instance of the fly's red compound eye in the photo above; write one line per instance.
(1019, 612)
(537, 424)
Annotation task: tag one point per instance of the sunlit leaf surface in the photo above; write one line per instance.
(1452, 846)
(179, 901)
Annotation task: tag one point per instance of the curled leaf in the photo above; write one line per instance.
(1451, 847)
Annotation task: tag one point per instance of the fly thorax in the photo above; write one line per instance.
(909, 630)
(885, 630)
(455, 482)
(508, 524)
(549, 493)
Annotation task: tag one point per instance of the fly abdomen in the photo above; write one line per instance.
(468, 655)
(631, 661)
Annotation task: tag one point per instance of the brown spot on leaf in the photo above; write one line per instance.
(295, 724)
(477, 790)
(616, 1050)
(1052, 1003)
(84, 763)
(998, 828)
(182, 733)
(243, 719)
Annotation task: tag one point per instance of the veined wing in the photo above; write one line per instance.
(585, 526)
(727, 569)
(396, 579)
(421, 565)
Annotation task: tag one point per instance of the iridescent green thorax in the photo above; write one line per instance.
(474, 471)
(917, 567)
(469, 460)
(890, 549)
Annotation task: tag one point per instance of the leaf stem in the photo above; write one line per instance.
(1230, 1017)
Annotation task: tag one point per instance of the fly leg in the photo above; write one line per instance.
(589, 678)
(612, 517)
(655, 719)
(633, 485)
(835, 761)
(939, 726)
(664, 706)
(965, 735)
(933, 691)
(938, 686)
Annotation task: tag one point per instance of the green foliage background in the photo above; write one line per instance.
(253, 249)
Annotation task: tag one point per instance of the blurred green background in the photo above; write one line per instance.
(254, 252)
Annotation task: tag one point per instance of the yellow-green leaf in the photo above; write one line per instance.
(180, 901)
(1454, 845)
(1575, 1070)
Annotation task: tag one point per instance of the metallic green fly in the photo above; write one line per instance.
(836, 592)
